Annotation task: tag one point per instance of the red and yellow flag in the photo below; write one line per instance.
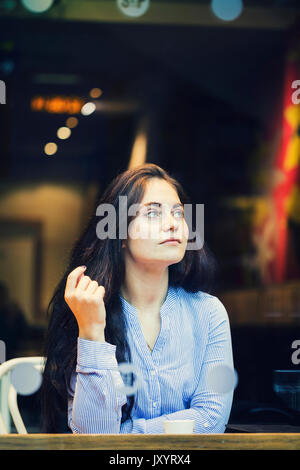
(283, 200)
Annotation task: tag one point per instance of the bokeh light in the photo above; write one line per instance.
(95, 93)
(26, 379)
(227, 10)
(71, 122)
(133, 9)
(88, 108)
(50, 148)
(37, 6)
(63, 132)
(222, 379)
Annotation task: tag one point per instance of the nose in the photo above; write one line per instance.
(169, 223)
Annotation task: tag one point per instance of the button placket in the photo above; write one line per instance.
(151, 359)
(132, 311)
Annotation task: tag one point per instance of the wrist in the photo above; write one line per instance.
(94, 333)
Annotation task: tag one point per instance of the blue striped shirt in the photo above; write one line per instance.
(176, 379)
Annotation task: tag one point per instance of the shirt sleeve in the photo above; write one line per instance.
(95, 402)
(211, 402)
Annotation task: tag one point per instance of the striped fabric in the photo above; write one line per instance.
(182, 378)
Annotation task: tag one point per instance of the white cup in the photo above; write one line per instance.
(179, 426)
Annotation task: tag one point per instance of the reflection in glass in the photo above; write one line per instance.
(286, 385)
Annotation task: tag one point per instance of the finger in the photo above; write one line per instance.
(99, 292)
(83, 283)
(92, 287)
(73, 278)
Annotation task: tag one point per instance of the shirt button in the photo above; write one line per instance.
(153, 372)
(154, 404)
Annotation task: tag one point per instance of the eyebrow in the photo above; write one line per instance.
(153, 203)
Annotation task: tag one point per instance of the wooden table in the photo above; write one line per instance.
(235, 441)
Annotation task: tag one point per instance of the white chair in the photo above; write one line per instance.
(8, 393)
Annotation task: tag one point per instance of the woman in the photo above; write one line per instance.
(143, 300)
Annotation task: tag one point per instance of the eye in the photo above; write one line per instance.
(179, 213)
(153, 213)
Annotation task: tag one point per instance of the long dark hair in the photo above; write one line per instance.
(105, 264)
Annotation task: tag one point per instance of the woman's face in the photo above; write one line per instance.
(160, 217)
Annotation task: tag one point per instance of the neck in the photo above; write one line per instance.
(145, 288)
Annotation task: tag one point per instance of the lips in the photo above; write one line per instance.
(171, 240)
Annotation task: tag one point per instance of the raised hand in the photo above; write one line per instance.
(85, 298)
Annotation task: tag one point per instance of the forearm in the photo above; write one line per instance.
(97, 403)
(210, 418)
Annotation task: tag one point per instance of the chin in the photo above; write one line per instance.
(172, 259)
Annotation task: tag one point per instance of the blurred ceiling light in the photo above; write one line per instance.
(63, 132)
(37, 6)
(88, 108)
(95, 93)
(50, 148)
(72, 122)
(227, 10)
(57, 104)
